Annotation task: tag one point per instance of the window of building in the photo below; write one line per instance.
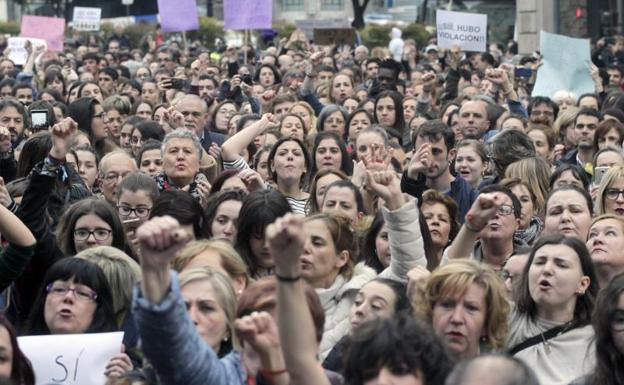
(292, 5)
(332, 4)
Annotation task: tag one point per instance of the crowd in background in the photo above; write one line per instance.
(303, 214)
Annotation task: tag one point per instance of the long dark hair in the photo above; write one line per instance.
(259, 209)
(609, 369)
(21, 369)
(346, 165)
(85, 273)
(585, 302)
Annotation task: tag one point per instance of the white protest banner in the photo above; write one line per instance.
(17, 52)
(71, 359)
(468, 30)
(565, 66)
(87, 18)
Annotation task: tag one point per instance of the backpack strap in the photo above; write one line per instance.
(544, 337)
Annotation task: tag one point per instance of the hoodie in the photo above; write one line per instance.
(396, 44)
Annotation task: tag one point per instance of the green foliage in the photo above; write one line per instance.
(209, 30)
(418, 32)
(284, 28)
(10, 27)
(136, 33)
(374, 35)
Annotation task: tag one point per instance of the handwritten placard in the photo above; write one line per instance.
(71, 359)
(87, 18)
(468, 30)
(565, 66)
(17, 52)
(50, 29)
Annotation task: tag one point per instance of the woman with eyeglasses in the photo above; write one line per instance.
(89, 223)
(88, 113)
(75, 298)
(610, 199)
(135, 197)
(608, 321)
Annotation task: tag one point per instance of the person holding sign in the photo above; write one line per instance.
(75, 298)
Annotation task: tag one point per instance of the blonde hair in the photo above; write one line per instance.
(564, 118)
(602, 217)
(614, 173)
(455, 278)
(121, 271)
(563, 95)
(231, 261)
(312, 128)
(222, 287)
(535, 172)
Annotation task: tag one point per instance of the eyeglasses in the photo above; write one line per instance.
(61, 290)
(100, 115)
(140, 212)
(98, 234)
(617, 321)
(613, 193)
(505, 210)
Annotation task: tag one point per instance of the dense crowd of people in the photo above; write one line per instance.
(304, 214)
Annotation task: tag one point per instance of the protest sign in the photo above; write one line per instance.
(338, 36)
(309, 26)
(178, 15)
(71, 359)
(468, 30)
(17, 52)
(50, 29)
(87, 19)
(247, 14)
(565, 66)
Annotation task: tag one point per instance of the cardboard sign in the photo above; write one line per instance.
(50, 29)
(338, 36)
(17, 52)
(565, 66)
(87, 19)
(308, 26)
(247, 14)
(468, 30)
(178, 15)
(71, 359)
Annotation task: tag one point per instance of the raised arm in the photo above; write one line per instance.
(401, 214)
(296, 328)
(169, 339)
(482, 210)
(231, 149)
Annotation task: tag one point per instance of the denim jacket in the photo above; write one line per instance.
(177, 352)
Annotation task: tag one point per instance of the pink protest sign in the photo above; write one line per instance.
(247, 14)
(50, 29)
(178, 15)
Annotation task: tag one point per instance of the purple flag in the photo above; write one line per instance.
(178, 15)
(248, 14)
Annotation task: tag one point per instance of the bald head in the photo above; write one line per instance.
(114, 166)
(492, 370)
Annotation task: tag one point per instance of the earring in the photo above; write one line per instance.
(225, 339)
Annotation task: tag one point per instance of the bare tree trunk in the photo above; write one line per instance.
(358, 13)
